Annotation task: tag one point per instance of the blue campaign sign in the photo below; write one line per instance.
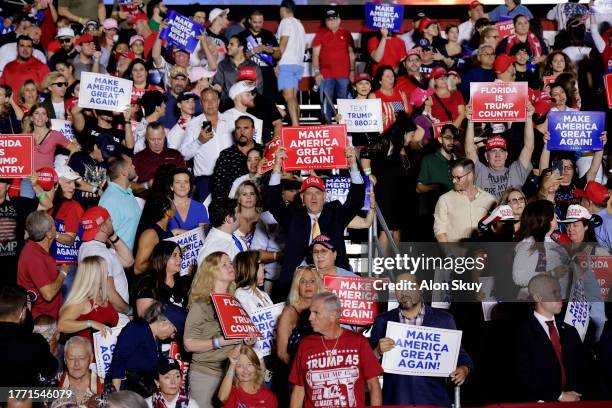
(337, 188)
(66, 254)
(576, 131)
(382, 15)
(181, 31)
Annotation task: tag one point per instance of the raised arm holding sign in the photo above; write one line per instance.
(314, 147)
(498, 101)
(235, 321)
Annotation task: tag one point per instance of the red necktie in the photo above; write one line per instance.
(556, 342)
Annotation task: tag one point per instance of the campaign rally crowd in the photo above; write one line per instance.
(137, 216)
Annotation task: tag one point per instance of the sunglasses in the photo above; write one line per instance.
(60, 84)
(65, 40)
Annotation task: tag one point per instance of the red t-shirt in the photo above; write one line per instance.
(148, 43)
(70, 213)
(48, 29)
(607, 58)
(263, 398)
(395, 52)
(44, 153)
(391, 105)
(334, 376)
(452, 104)
(334, 57)
(36, 268)
(16, 73)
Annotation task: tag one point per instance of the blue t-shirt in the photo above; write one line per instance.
(196, 215)
(604, 231)
(502, 11)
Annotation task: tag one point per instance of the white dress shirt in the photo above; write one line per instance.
(217, 240)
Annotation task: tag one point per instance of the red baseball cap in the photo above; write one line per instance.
(438, 72)
(543, 105)
(137, 17)
(91, 221)
(503, 62)
(425, 22)
(474, 4)
(362, 76)
(313, 181)
(594, 192)
(419, 96)
(47, 178)
(85, 38)
(496, 142)
(247, 74)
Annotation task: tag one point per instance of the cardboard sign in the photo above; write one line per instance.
(265, 320)
(421, 351)
(104, 92)
(576, 131)
(361, 115)
(337, 188)
(608, 84)
(190, 242)
(602, 269)
(104, 348)
(359, 297)
(181, 31)
(383, 15)
(16, 155)
(498, 101)
(235, 321)
(437, 129)
(268, 159)
(64, 127)
(175, 353)
(578, 309)
(314, 147)
(505, 29)
(66, 254)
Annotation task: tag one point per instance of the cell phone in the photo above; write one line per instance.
(206, 124)
(557, 166)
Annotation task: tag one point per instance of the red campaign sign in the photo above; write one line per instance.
(602, 269)
(498, 101)
(16, 155)
(548, 79)
(268, 159)
(608, 83)
(437, 128)
(175, 353)
(314, 147)
(359, 297)
(235, 322)
(505, 29)
(130, 8)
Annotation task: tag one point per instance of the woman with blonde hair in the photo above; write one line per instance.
(203, 335)
(242, 384)
(55, 84)
(87, 308)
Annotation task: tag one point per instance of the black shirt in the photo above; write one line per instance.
(91, 171)
(109, 140)
(178, 295)
(13, 213)
(230, 165)
(264, 37)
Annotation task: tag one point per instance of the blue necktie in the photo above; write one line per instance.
(237, 242)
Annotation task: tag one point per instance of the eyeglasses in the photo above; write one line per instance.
(515, 201)
(60, 84)
(459, 178)
(65, 40)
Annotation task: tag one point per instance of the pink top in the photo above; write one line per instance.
(45, 152)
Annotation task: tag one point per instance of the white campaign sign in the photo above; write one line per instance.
(105, 92)
(421, 351)
(578, 309)
(190, 243)
(265, 320)
(104, 348)
(64, 127)
(361, 115)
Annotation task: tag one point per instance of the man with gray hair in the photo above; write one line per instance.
(78, 377)
(36, 270)
(333, 365)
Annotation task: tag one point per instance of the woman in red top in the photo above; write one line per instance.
(393, 100)
(87, 308)
(137, 72)
(448, 104)
(242, 384)
(28, 95)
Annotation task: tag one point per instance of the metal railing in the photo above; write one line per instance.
(374, 247)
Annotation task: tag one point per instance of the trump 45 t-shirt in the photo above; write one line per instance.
(334, 375)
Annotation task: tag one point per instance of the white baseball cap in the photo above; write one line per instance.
(216, 12)
(501, 213)
(197, 73)
(240, 87)
(63, 170)
(65, 32)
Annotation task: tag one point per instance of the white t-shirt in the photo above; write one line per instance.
(217, 240)
(115, 269)
(230, 116)
(172, 403)
(60, 110)
(294, 52)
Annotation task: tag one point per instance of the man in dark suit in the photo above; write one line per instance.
(315, 217)
(550, 359)
(407, 389)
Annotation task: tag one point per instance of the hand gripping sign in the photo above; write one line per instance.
(578, 309)
(498, 101)
(576, 131)
(16, 155)
(104, 346)
(421, 350)
(314, 147)
(265, 320)
(190, 242)
(235, 321)
(181, 31)
(268, 159)
(358, 296)
(361, 115)
(105, 92)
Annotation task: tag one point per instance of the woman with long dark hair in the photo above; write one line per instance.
(190, 213)
(163, 282)
(536, 252)
(138, 72)
(393, 100)
(156, 215)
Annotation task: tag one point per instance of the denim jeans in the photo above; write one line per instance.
(336, 88)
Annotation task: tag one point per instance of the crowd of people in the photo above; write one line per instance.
(86, 240)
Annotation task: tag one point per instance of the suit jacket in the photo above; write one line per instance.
(49, 105)
(539, 372)
(407, 389)
(294, 218)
